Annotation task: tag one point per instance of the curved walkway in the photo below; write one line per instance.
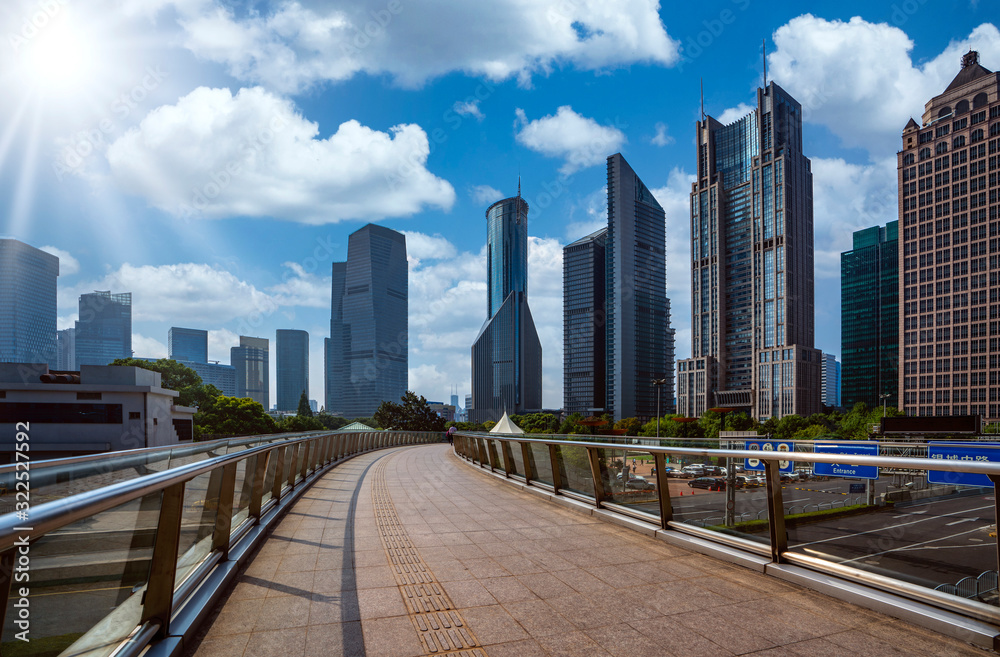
(409, 552)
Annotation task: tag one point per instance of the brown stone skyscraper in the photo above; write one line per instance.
(949, 255)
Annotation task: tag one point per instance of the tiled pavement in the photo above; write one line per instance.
(522, 578)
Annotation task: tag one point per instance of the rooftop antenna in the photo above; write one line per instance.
(763, 44)
(703, 100)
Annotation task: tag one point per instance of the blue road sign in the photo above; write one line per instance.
(974, 452)
(769, 446)
(846, 469)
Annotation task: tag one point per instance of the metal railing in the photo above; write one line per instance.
(585, 471)
(156, 547)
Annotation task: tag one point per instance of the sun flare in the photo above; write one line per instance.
(57, 58)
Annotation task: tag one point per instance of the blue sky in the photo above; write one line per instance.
(212, 157)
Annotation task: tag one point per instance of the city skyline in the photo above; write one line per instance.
(224, 248)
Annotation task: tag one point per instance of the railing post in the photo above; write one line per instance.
(662, 488)
(529, 464)
(7, 560)
(996, 516)
(595, 472)
(224, 512)
(508, 458)
(775, 512)
(557, 480)
(159, 597)
(306, 448)
(257, 489)
(279, 472)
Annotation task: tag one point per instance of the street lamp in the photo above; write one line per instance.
(659, 383)
(883, 397)
(730, 470)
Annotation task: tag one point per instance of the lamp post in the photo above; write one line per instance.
(883, 397)
(730, 472)
(659, 386)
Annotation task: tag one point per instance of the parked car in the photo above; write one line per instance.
(789, 477)
(709, 483)
(694, 471)
(674, 472)
(639, 483)
(714, 471)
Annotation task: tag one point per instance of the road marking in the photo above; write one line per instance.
(882, 529)
(958, 522)
(919, 546)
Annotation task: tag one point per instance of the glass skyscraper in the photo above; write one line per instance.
(584, 335)
(752, 305)
(27, 304)
(293, 367)
(869, 317)
(507, 354)
(104, 328)
(639, 338)
(831, 381)
(367, 352)
(251, 360)
(187, 344)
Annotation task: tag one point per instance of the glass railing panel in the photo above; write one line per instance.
(272, 465)
(90, 571)
(242, 491)
(627, 478)
(289, 455)
(575, 466)
(541, 464)
(518, 459)
(493, 448)
(201, 504)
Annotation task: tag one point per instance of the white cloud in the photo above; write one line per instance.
(295, 45)
(220, 341)
(216, 155)
(469, 108)
(484, 194)
(661, 138)
(733, 114)
(420, 246)
(595, 215)
(64, 322)
(144, 347)
(674, 197)
(299, 287)
(68, 265)
(580, 140)
(859, 79)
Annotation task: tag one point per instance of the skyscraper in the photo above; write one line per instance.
(752, 306)
(27, 304)
(293, 367)
(66, 349)
(640, 340)
(251, 360)
(367, 352)
(831, 381)
(187, 344)
(948, 208)
(507, 354)
(584, 335)
(869, 317)
(104, 330)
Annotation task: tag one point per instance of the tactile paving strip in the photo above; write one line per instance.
(441, 628)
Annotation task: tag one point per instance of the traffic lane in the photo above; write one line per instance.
(921, 542)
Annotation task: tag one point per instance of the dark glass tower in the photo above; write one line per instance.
(584, 336)
(251, 362)
(640, 340)
(507, 354)
(104, 330)
(187, 344)
(367, 351)
(293, 367)
(869, 317)
(27, 304)
(752, 306)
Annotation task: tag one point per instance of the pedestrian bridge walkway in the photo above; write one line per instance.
(411, 551)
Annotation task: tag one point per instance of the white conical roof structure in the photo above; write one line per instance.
(505, 426)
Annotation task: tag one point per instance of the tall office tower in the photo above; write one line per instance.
(367, 353)
(584, 335)
(640, 341)
(831, 381)
(222, 377)
(869, 317)
(948, 365)
(293, 367)
(507, 354)
(27, 304)
(187, 344)
(104, 330)
(66, 349)
(251, 360)
(752, 307)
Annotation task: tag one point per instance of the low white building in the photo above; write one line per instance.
(98, 409)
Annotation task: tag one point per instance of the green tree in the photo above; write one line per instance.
(234, 416)
(175, 376)
(292, 423)
(536, 422)
(305, 410)
(413, 414)
(332, 422)
(570, 424)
